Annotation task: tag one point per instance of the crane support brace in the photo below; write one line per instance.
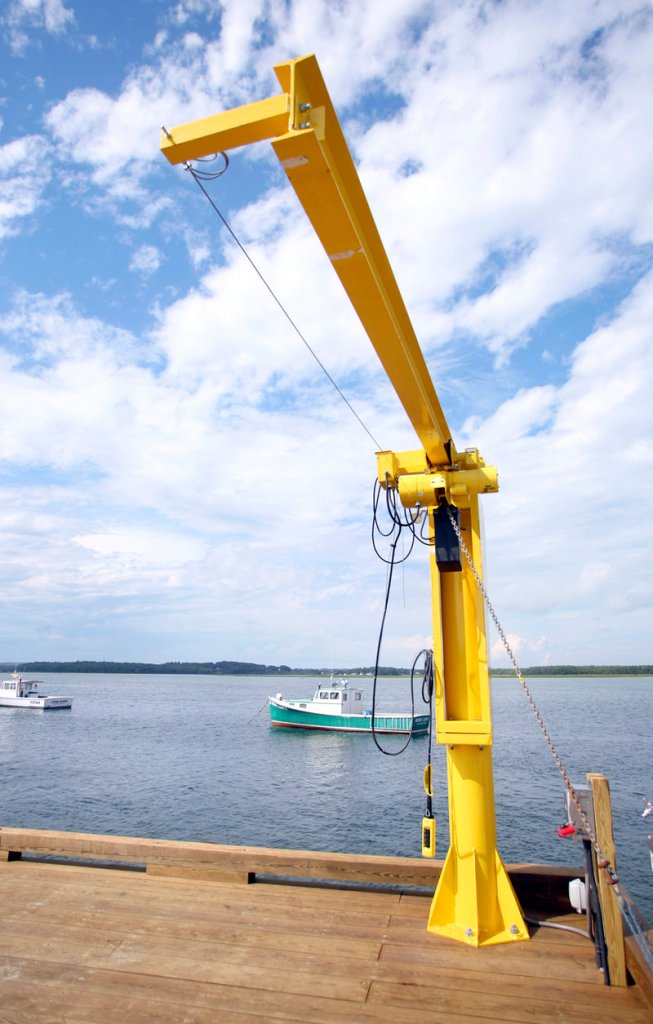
(474, 901)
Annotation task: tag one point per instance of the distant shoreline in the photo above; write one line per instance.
(244, 668)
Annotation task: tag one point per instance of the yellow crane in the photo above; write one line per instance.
(474, 901)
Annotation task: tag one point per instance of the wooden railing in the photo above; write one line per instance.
(535, 885)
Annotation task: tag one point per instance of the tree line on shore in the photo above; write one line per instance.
(204, 668)
(247, 668)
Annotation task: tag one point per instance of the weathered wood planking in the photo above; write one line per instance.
(215, 862)
(86, 944)
(612, 921)
(638, 967)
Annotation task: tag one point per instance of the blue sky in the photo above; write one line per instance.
(178, 481)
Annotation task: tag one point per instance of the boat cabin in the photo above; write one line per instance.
(338, 699)
(19, 687)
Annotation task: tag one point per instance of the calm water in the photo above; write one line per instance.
(194, 757)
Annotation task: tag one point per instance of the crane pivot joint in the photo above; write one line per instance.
(418, 483)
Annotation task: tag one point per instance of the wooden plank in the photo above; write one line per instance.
(346, 867)
(301, 936)
(639, 969)
(183, 912)
(548, 884)
(220, 921)
(544, 966)
(502, 1007)
(179, 889)
(201, 874)
(523, 957)
(116, 998)
(293, 926)
(612, 922)
(269, 970)
(260, 860)
(588, 995)
(45, 993)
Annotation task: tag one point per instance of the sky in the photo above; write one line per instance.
(179, 481)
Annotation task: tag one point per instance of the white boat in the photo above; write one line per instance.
(24, 693)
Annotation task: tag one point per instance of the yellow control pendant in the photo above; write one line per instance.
(428, 837)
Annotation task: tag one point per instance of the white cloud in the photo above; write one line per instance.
(198, 246)
(21, 16)
(525, 149)
(231, 332)
(146, 260)
(146, 210)
(140, 547)
(24, 175)
(45, 331)
(107, 134)
(567, 531)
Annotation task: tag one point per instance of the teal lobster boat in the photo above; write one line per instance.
(338, 708)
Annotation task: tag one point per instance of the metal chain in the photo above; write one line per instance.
(627, 908)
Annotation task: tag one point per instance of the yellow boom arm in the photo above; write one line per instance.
(474, 901)
(308, 140)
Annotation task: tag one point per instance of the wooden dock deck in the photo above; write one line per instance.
(188, 940)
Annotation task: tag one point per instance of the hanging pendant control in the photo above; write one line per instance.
(428, 837)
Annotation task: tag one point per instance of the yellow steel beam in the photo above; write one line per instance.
(252, 123)
(308, 140)
(474, 901)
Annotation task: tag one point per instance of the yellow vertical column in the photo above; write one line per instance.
(474, 901)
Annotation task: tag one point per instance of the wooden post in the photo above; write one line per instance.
(612, 920)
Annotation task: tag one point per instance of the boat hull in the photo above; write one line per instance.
(37, 703)
(286, 717)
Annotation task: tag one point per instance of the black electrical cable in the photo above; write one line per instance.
(427, 685)
(397, 524)
(398, 519)
(389, 753)
(209, 175)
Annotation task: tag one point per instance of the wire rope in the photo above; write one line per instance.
(200, 177)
